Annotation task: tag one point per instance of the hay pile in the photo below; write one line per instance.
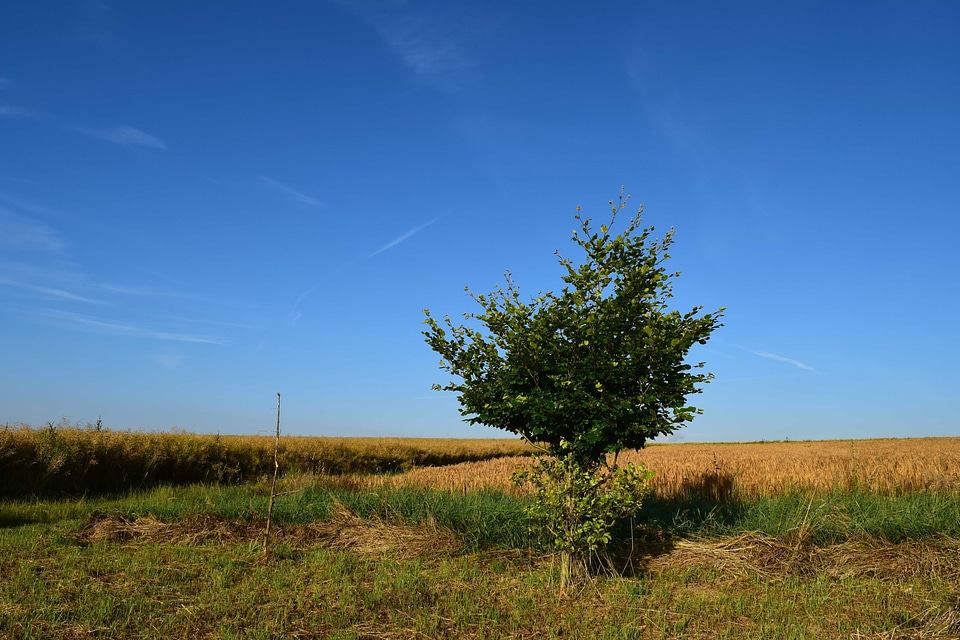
(345, 530)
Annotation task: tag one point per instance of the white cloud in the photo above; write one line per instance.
(404, 236)
(796, 363)
(80, 321)
(295, 312)
(18, 232)
(289, 192)
(134, 290)
(124, 135)
(47, 292)
(26, 205)
(430, 42)
(423, 48)
(10, 110)
(120, 134)
(169, 360)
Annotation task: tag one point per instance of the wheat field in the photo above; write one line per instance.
(888, 466)
(75, 460)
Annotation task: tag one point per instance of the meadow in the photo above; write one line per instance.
(837, 539)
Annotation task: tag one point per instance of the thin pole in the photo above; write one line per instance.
(276, 471)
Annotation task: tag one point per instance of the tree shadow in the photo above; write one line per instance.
(631, 555)
(10, 522)
(703, 505)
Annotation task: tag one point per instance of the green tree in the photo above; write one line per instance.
(599, 367)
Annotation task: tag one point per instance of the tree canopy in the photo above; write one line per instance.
(595, 368)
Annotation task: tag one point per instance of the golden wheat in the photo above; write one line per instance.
(83, 459)
(754, 469)
(67, 459)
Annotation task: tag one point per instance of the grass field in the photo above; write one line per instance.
(769, 540)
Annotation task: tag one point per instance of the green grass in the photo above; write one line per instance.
(860, 567)
(833, 518)
(480, 518)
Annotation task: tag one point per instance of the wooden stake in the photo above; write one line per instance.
(273, 487)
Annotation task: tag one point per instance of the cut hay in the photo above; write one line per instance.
(770, 557)
(947, 623)
(345, 530)
(348, 531)
(117, 527)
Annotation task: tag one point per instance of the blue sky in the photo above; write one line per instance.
(204, 204)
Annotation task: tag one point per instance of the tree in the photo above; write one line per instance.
(592, 370)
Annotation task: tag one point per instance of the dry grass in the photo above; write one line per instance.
(751, 554)
(748, 470)
(345, 530)
(67, 459)
(750, 558)
(116, 527)
(740, 556)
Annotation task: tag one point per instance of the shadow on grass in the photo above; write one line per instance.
(705, 505)
(690, 514)
(10, 522)
(14, 515)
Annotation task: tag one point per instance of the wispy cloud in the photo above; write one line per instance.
(47, 292)
(135, 290)
(796, 363)
(423, 47)
(97, 26)
(173, 289)
(403, 236)
(432, 44)
(295, 312)
(22, 233)
(120, 134)
(12, 110)
(145, 291)
(20, 203)
(80, 321)
(725, 380)
(170, 360)
(289, 192)
(124, 135)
